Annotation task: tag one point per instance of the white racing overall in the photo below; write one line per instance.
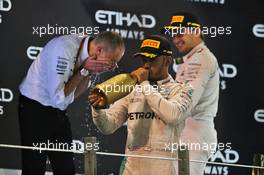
(154, 120)
(199, 126)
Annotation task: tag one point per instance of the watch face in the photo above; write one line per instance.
(84, 72)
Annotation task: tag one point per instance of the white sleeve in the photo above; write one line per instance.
(109, 120)
(171, 111)
(59, 57)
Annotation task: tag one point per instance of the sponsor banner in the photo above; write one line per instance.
(259, 116)
(227, 72)
(33, 52)
(258, 30)
(5, 6)
(226, 156)
(128, 24)
(6, 96)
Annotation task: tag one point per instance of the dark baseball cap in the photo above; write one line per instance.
(183, 19)
(154, 46)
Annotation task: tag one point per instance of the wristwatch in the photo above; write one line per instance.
(84, 72)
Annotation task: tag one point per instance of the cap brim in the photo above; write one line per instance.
(177, 25)
(166, 29)
(145, 54)
(171, 27)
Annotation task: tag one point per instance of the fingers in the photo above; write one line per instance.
(98, 59)
(134, 76)
(93, 98)
(106, 61)
(191, 72)
(97, 101)
(190, 77)
(98, 69)
(187, 90)
(195, 64)
(97, 66)
(143, 69)
(186, 100)
(141, 74)
(184, 96)
(93, 57)
(98, 62)
(102, 61)
(183, 102)
(193, 68)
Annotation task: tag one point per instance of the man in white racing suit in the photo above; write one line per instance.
(155, 112)
(199, 132)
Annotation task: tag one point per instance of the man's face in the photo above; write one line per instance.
(185, 42)
(155, 66)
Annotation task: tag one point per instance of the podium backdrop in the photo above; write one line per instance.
(26, 26)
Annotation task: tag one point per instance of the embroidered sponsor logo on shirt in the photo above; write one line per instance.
(62, 65)
(166, 91)
(141, 115)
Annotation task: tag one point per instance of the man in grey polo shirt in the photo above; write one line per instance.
(60, 74)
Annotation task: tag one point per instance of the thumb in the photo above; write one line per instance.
(134, 76)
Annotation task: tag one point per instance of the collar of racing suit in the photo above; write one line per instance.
(166, 80)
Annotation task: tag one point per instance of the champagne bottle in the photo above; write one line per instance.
(118, 87)
(114, 89)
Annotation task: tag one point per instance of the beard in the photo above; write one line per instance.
(153, 81)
